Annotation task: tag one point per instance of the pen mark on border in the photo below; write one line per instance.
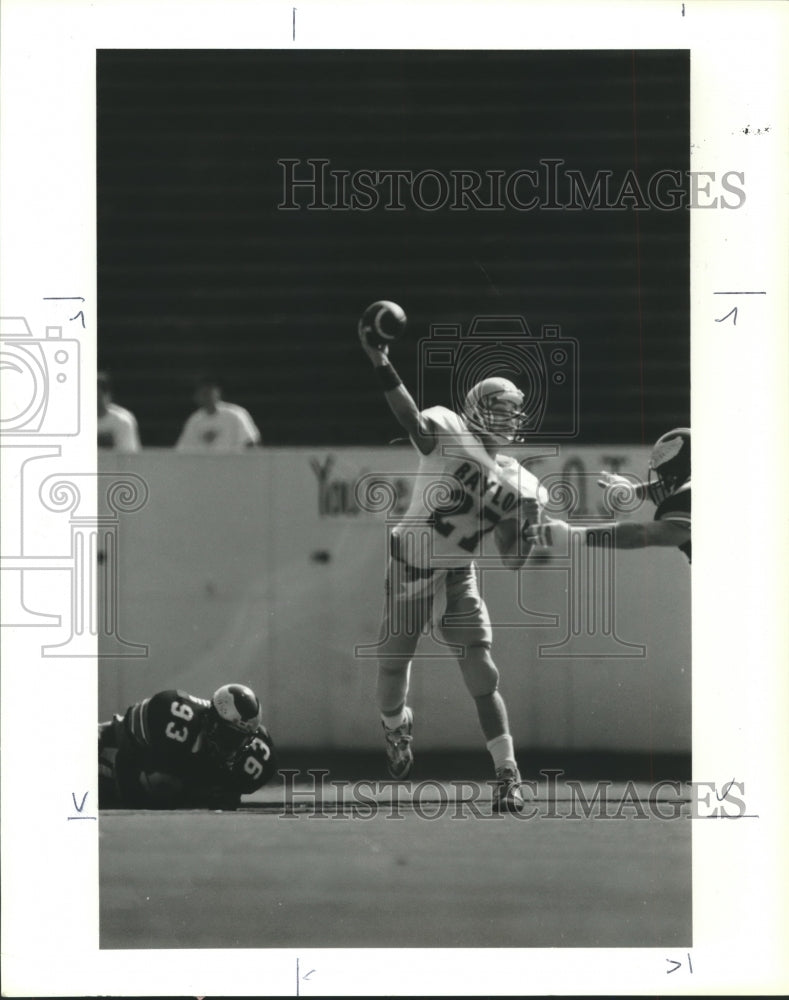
(79, 807)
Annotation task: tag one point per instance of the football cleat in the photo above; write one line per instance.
(400, 756)
(233, 718)
(495, 406)
(669, 464)
(507, 796)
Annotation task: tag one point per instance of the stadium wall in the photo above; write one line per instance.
(262, 568)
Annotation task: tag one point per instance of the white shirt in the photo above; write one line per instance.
(230, 428)
(117, 429)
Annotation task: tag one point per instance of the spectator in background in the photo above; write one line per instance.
(116, 427)
(217, 426)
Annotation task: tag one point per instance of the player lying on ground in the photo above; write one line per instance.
(667, 486)
(176, 751)
(464, 490)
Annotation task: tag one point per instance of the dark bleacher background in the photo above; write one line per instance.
(198, 269)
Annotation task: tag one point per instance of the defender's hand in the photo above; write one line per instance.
(612, 479)
(624, 487)
(551, 535)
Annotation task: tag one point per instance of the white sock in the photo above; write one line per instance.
(502, 751)
(395, 721)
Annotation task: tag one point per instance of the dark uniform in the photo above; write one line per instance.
(159, 755)
(676, 508)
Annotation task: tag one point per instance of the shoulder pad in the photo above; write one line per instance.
(445, 420)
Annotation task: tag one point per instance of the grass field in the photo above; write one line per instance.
(261, 878)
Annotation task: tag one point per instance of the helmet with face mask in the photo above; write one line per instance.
(495, 406)
(669, 464)
(233, 719)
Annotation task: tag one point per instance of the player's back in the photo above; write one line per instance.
(256, 762)
(167, 727)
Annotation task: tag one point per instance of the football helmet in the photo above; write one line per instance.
(495, 406)
(669, 464)
(233, 718)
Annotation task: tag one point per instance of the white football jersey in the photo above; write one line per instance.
(459, 496)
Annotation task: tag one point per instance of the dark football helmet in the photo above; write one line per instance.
(233, 719)
(669, 464)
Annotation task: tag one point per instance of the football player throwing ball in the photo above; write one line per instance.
(467, 494)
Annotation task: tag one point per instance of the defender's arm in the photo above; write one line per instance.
(625, 535)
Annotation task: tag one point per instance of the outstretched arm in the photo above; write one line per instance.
(400, 400)
(625, 535)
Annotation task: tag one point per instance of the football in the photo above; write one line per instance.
(382, 323)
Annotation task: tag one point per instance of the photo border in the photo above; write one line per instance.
(739, 410)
